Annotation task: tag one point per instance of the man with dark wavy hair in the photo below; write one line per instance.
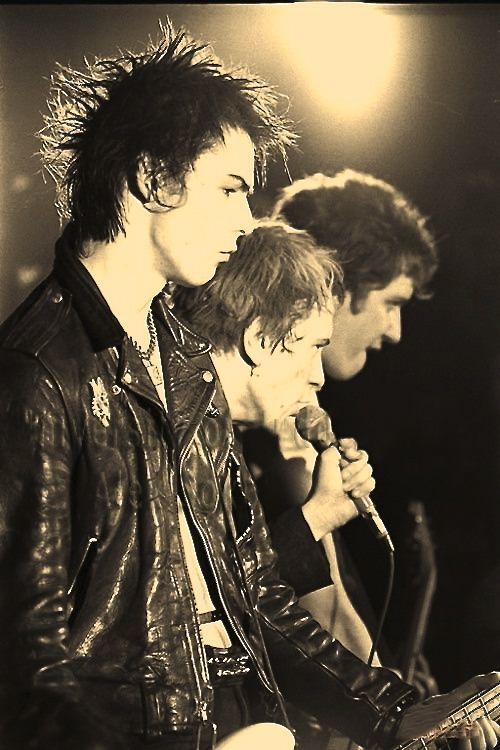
(140, 592)
(385, 248)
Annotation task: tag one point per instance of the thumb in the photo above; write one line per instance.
(327, 476)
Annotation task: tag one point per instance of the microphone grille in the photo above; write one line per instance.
(313, 424)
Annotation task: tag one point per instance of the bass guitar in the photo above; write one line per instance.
(483, 704)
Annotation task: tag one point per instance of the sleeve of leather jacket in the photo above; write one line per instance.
(314, 671)
(42, 701)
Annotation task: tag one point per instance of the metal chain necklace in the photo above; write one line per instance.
(146, 354)
(153, 339)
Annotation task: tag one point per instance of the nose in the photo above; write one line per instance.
(317, 374)
(244, 219)
(393, 331)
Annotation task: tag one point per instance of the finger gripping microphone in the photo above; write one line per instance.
(313, 424)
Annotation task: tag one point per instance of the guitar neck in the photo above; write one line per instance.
(485, 703)
(421, 538)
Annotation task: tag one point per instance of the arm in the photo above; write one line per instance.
(298, 517)
(43, 701)
(311, 567)
(334, 610)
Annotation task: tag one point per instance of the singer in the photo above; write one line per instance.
(267, 376)
(269, 371)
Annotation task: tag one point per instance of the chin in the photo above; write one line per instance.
(273, 421)
(197, 280)
(345, 369)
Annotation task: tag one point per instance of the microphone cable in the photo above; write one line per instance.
(385, 607)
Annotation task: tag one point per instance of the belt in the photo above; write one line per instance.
(227, 666)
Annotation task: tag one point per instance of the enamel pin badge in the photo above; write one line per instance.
(100, 401)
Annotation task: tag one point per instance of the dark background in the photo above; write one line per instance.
(427, 410)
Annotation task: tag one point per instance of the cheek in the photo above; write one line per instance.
(209, 209)
(299, 378)
(384, 321)
(372, 325)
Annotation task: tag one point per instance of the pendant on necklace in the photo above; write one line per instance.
(155, 373)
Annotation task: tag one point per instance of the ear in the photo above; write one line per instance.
(140, 185)
(141, 189)
(257, 347)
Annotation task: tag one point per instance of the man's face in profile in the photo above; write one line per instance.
(201, 228)
(377, 320)
(289, 375)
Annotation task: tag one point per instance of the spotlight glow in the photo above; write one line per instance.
(345, 52)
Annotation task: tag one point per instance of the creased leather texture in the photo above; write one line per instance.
(97, 612)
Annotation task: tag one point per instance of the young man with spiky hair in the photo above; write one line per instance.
(139, 586)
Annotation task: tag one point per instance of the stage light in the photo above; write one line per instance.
(345, 52)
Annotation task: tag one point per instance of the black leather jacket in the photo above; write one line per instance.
(100, 629)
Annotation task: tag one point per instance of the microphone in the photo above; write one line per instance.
(314, 425)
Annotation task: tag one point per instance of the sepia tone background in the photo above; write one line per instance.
(410, 93)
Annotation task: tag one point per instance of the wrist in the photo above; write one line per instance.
(387, 729)
(325, 513)
(316, 522)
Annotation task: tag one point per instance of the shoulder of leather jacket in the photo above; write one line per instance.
(37, 349)
(38, 319)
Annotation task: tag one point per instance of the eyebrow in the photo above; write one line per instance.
(242, 184)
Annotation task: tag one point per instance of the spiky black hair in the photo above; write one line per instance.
(160, 108)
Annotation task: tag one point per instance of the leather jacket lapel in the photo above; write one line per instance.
(132, 374)
(190, 389)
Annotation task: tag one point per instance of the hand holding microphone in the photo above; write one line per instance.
(313, 424)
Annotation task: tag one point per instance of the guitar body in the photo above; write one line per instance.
(262, 736)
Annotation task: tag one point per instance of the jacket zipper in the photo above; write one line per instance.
(193, 602)
(90, 543)
(202, 704)
(202, 707)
